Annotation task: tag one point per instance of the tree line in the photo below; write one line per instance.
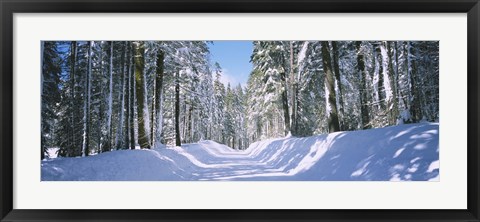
(313, 87)
(99, 96)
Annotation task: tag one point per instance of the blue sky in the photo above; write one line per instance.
(234, 58)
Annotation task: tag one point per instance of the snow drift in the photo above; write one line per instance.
(404, 152)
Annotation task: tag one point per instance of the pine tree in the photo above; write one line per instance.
(94, 91)
(50, 95)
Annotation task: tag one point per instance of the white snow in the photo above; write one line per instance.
(52, 152)
(433, 166)
(386, 78)
(328, 109)
(301, 57)
(386, 154)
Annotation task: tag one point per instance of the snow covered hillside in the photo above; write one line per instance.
(404, 152)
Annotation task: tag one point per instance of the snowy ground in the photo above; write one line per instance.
(404, 152)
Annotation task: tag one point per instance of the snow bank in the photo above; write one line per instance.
(404, 152)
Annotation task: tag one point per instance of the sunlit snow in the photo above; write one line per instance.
(386, 154)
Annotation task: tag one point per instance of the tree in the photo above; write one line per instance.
(332, 113)
(338, 81)
(355, 84)
(177, 110)
(50, 95)
(363, 86)
(293, 93)
(86, 107)
(42, 139)
(158, 97)
(108, 143)
(270, 58)
(73, 61)
(119, 138)
(140, 91)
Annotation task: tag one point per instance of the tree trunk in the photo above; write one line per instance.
(158, 104)
(121, 97)
(415, 102)
(188, 135)
(42, 138)
(363, 87)
(152, 116)
(401, 96)
(132, 100)
(336, 68)
(100, 105)
(73, 61)
(184, 127)
(128, 85)
(108, 140)
(332, 112)
(286, 114)
(177, 110)
(293, 94)
(393, 102)
(380, 87)
(406, 54)
(86, 107)
(143, 139)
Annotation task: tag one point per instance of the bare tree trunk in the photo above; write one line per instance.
(294, 94)
(73, 61)
(286, 114)
(132, 100)
(42, 147)
(380, 84)
(143, 139)
(332, 112)
(406, 54)
(415, 112)
(188, 135)
(152, 115)
(86, 107)
(184, 127)
(336, 68)
(121, 97)
(108, 140)
(393, 102)
(177, 110)
(363, 87)
(158, 103)
(128, 85)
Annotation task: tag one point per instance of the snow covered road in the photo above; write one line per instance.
(404, 152)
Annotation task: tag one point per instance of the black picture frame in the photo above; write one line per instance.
(9, 7)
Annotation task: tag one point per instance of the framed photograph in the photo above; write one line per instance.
(255, 111)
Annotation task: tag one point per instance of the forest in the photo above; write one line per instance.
(100, 96)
